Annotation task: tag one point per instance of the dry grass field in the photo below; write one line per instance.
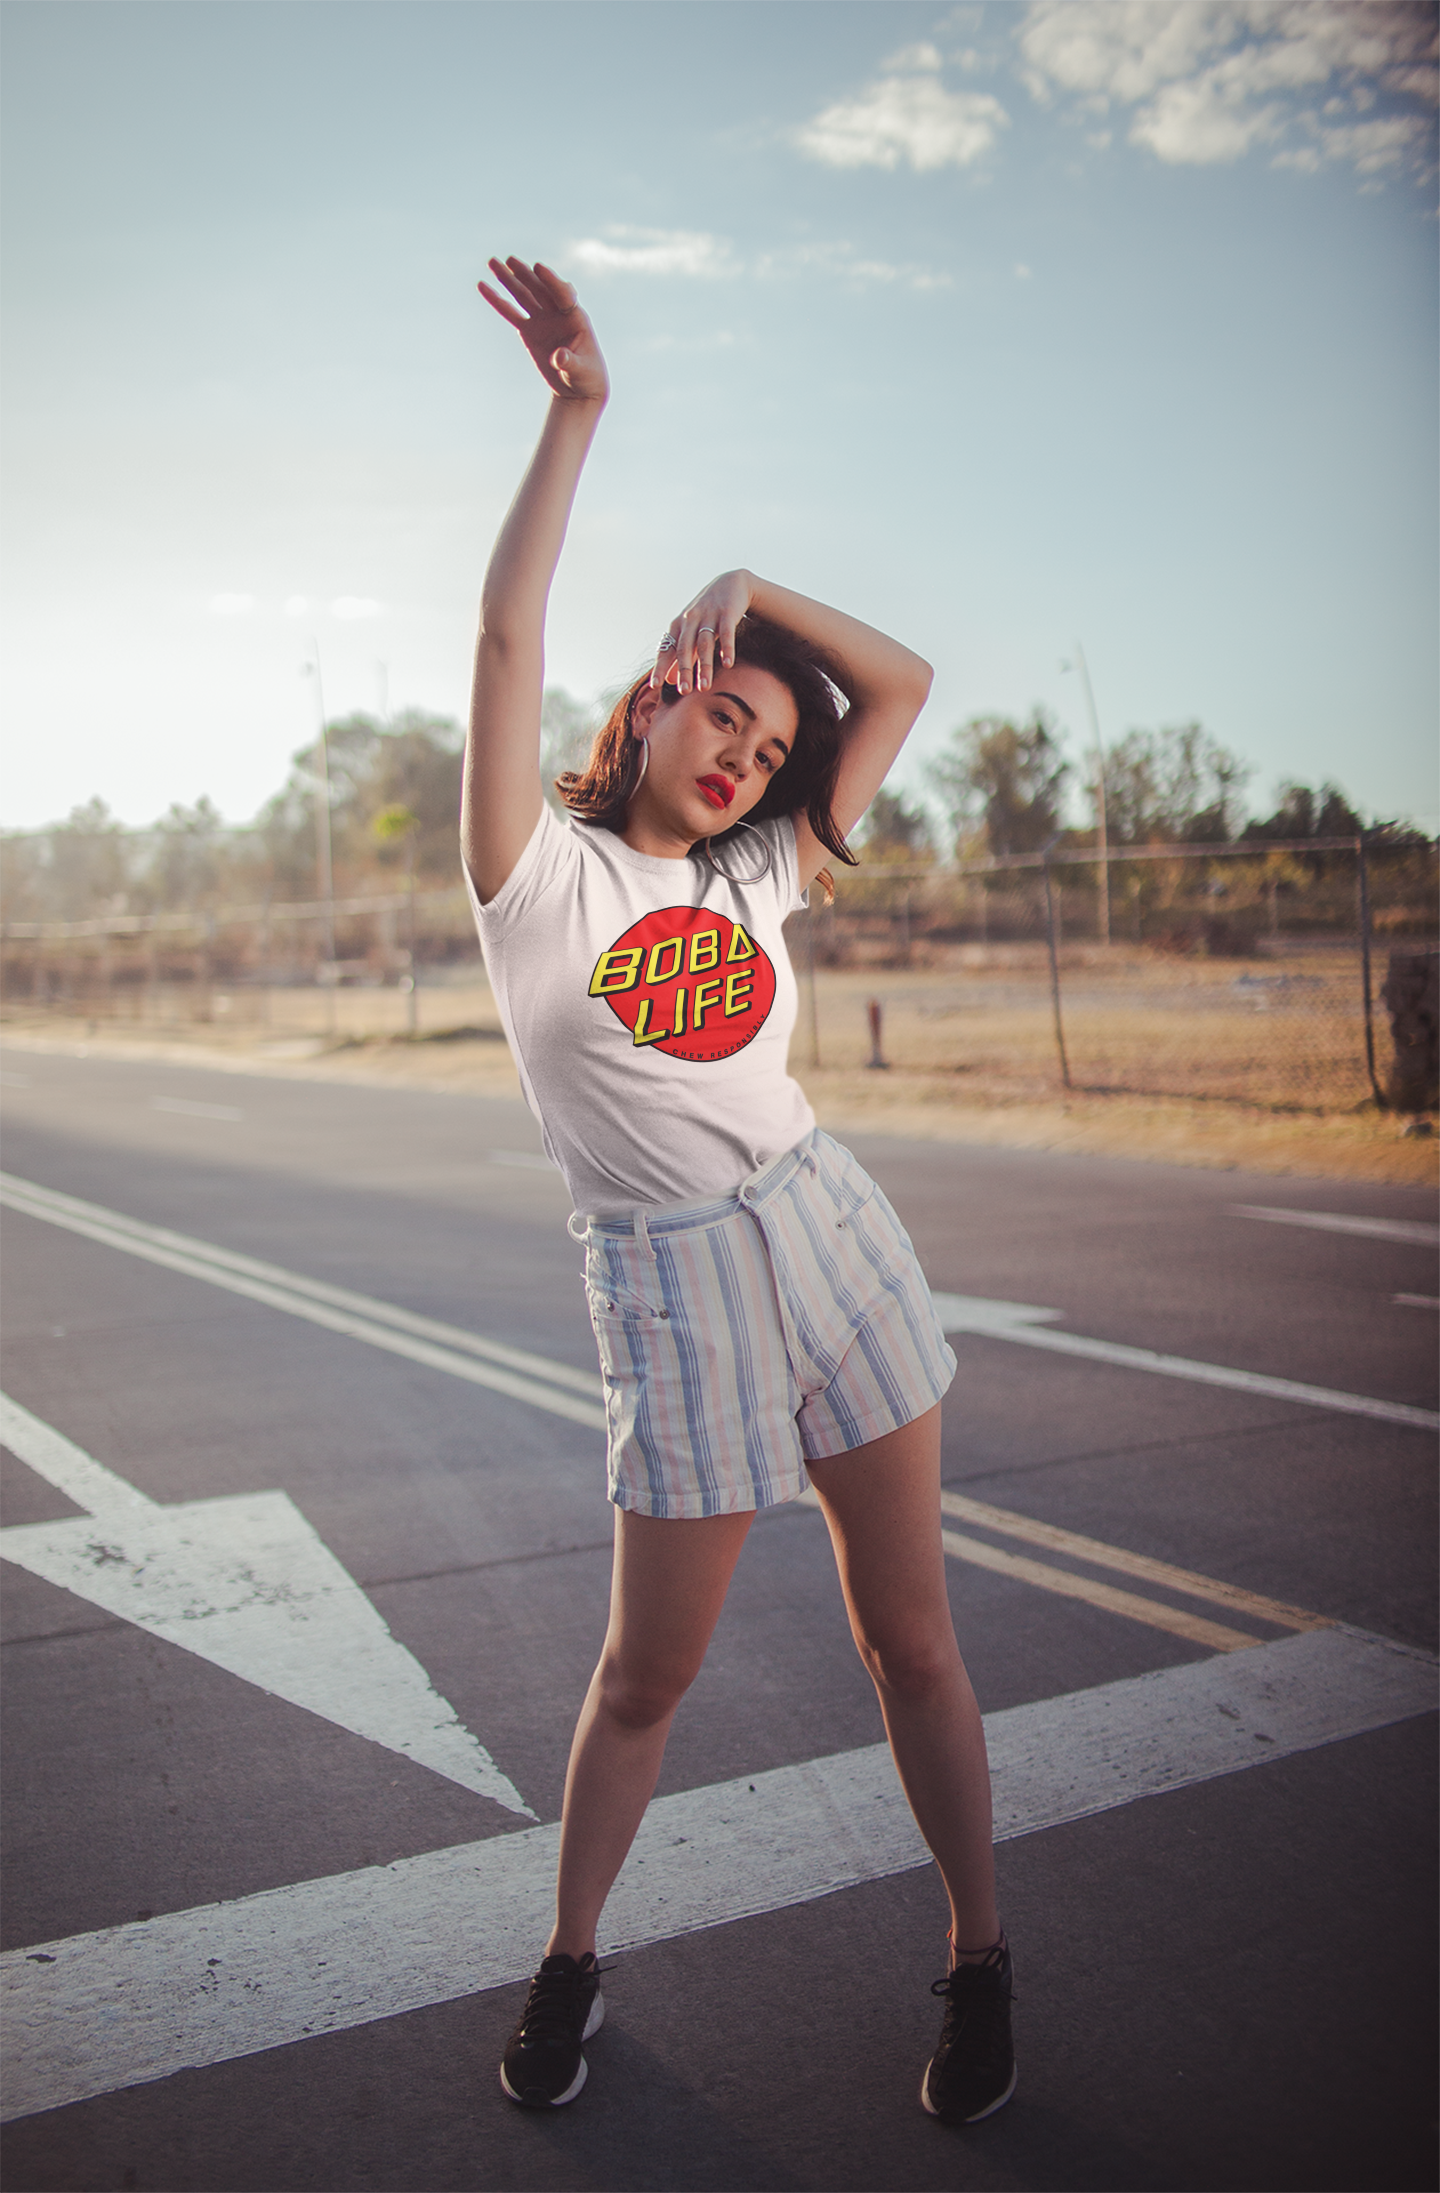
(1195, 1063)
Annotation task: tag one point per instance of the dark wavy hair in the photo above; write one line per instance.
(815, 681)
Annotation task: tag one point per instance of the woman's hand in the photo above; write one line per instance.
(554, 330)
(702, 637)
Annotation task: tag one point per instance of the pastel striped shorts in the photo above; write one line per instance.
(743, 1337)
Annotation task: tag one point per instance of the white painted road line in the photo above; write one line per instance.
(115, 2009)
(425, 1340)
(556, 1387)
(958, 1314)
(247, 1584)
(1413, 1230)
(189, 1108)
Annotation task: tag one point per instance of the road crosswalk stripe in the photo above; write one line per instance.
(130, 2004)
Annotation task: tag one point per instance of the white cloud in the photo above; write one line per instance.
(231, 605)
(621, 250)
(296, 605)
(923, 56)
(1022, 272)
(909, 116)
(1372, 146)
(349, 607)
(840, 259)
(1211, 79)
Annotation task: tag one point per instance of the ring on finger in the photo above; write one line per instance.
(667, 642)
(706, 628)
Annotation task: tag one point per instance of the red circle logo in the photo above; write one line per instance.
(688, 982)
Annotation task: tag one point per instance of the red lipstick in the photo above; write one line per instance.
(718, 790)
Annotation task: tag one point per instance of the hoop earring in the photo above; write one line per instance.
(644, 746)
(764, 847)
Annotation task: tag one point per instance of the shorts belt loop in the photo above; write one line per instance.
(642, 1236)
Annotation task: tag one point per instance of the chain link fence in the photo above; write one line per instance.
(317, 967)
(1288, 975)
(1296, 975)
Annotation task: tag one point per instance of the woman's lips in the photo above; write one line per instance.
(718, 790)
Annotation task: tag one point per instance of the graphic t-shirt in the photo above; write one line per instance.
(649, 1005)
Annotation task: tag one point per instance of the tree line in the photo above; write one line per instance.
(998, 786)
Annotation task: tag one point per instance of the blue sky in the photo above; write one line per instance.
(1000, 326)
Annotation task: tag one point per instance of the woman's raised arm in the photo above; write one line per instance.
(500, 803)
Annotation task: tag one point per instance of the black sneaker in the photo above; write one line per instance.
(972, 2072)
(542, 2066)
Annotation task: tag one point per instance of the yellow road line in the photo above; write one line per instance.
(1035, 1533)
(1193, 1627)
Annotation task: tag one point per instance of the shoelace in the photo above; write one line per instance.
(991, 1964)
(549, 2013)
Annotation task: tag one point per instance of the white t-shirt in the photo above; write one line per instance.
(649, 1005)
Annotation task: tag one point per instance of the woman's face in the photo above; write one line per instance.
(712, 754)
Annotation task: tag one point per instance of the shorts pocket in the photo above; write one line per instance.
(846, 1184)
(626, 1329)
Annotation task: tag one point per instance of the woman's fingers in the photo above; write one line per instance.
(501, 305)
(705, 656)
(665, 656)
(531, 294)
(510, 275)
(562, 294)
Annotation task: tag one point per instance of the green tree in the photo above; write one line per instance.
(896, 833)
(87, 870)
(1302, 813)
(1005, 777)
(1172, 786)
(567, 729)
(187, 857)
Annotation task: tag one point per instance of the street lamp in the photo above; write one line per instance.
(1083, 668)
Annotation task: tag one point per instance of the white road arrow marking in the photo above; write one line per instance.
(246, 1583)
(963, 1313)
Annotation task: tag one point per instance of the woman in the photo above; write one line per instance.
(761, 1320)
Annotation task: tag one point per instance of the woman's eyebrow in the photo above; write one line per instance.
(742, 705)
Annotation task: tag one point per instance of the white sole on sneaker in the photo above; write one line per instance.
(557, 2101)
(981, 2114)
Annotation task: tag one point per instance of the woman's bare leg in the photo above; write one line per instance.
(882, 1503)
(668, 1586)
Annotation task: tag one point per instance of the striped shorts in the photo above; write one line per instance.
(744, 1337)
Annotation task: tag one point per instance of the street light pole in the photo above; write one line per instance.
(1084, 669)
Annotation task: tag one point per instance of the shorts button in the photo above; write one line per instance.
(663, 1313)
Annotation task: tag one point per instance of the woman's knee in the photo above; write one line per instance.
(641, 1697)
(914, 1664)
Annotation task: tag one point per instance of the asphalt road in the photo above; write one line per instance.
(1227, 1985)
